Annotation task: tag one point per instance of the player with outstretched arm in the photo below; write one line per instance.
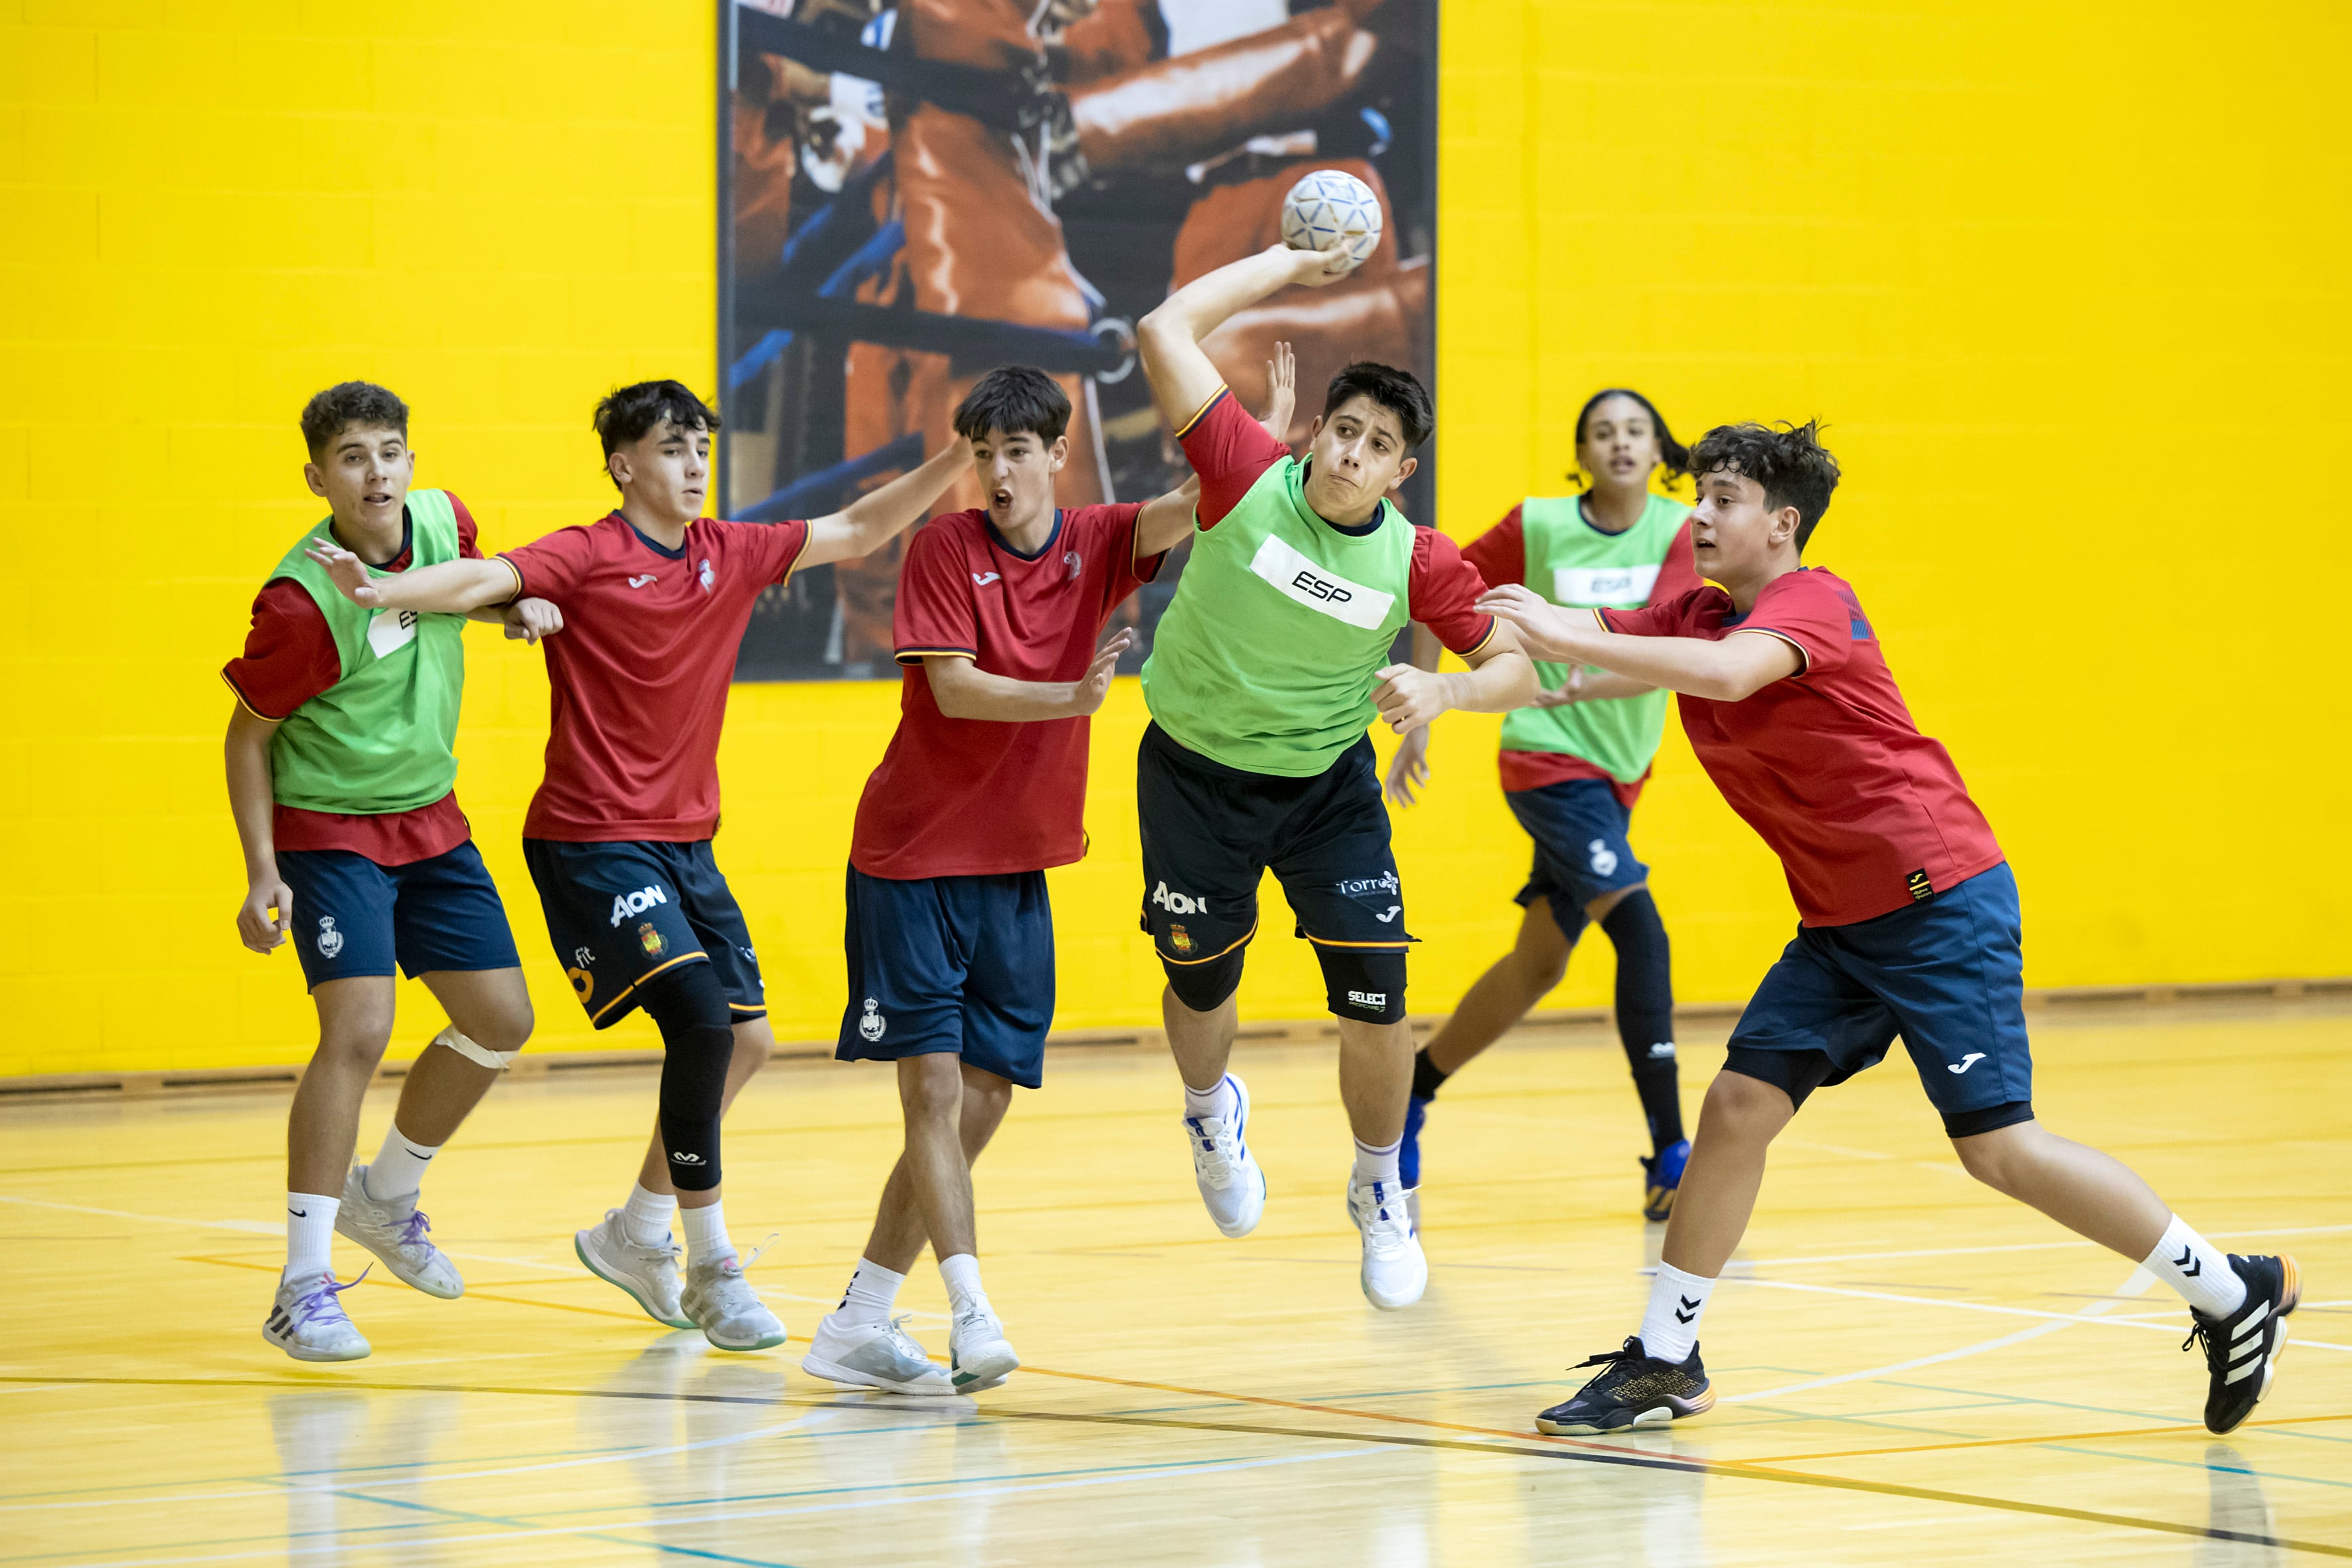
(1907, 925)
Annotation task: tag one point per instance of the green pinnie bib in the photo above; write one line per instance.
(1266, 657)
(383, 737)
(1571, 562)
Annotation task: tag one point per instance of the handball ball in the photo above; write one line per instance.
(1327, 208)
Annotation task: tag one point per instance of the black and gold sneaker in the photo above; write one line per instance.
(2239, 1348)
(1636, 1389)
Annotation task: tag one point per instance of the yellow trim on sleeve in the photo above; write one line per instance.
(247, 706)
(1197, 412)
(1804, 660)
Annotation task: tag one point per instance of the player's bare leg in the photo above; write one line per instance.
(322, 1128)
(490, 1020)
(1216, 1111)
(1511, 986)
(1737, 1125)
(860, 1343)
(938, 1179)
(1375, 1077)
(2090, 1193)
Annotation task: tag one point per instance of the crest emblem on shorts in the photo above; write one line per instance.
(650, 940)
(1180, 939)
(1604, 859)
(330, 941)
(872, 1025)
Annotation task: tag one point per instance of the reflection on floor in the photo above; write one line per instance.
(1910, 1368)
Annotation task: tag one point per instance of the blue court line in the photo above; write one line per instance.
(2172, 1419)
(271, 1477)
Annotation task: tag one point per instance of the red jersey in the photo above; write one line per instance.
(1500, 556)
(976, 797)
(289, 657)
(1867, 815)
(1229, 450)
(639, 672)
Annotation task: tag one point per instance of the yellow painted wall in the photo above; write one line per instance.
(2067, 282)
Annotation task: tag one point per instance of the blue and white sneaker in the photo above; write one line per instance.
(1394, 1272)
(1231, 1183)
(1662, 1178)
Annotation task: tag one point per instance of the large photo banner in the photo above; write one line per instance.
(913, 194)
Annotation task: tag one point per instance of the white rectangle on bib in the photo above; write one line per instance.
(389, 631)
(1621, 587)
(1319, 588)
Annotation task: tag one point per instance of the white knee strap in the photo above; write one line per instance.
(497, 1061)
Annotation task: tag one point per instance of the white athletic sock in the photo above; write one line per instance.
(1677, 1301)
(309, 1234)
(706, 1233)
(1219, 1101)
(873, 1291)
(2199, 1270)
(398, 1168)
(644, 1218)
(961, 1273)
(1377, 1165)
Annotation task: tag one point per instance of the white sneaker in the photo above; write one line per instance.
(1230, 1181)
(649, 1274)
(978, 1356)
(1395, 1273)
(722, 1304)
(310, 1324)
(874, 1355)
(396, 1231)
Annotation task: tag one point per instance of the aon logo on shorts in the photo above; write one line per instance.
(1178, 903)
(637, 903)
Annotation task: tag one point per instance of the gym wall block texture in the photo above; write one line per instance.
(2067, 284)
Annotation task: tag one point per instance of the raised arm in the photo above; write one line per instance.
(964, 691)
(872, 521)
(1183, 377)
(1167, 520)
(1737, 667)
(251, 805)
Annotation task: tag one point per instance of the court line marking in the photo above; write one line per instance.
(2021, 1247)
(2083, 1317)
(2138, 1283)
(1519, 1444)
(2060, 1439)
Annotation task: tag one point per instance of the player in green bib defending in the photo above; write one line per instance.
(1271, 661)
(340, 763)
(1573, 763)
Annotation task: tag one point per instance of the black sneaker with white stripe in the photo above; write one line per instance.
(1635, 1389)
(2239, 1348)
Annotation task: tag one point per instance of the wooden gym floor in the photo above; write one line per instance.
(1908, 1367)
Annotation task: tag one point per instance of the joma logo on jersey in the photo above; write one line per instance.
(637, 903)
(1316, 587)
(1178, 903)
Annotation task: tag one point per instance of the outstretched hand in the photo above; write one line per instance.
(527, 620)
(1543, 627)
(1095, 685)
(1409, 768)
(1282, 393)
(349, 572)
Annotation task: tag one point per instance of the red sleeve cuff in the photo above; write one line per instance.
(246, 702)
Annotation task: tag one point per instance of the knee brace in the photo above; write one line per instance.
(497, 1061)
(698, 1042)
(1645, 1009)
(1366, 984)
(1203, 987)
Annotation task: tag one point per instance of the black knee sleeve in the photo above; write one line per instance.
(1363, 982)
(1645, 1009)
(1203, 987)
(698, 1042)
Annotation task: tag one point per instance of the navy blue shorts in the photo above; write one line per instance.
(621, 913)
(1580, 827)
(951, 963)
(1947, 974)
(352, 916)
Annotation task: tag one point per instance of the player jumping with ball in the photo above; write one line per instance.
(1909, 925)
(1272, 660)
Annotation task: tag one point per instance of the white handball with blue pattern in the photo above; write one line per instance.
(1327, 208)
